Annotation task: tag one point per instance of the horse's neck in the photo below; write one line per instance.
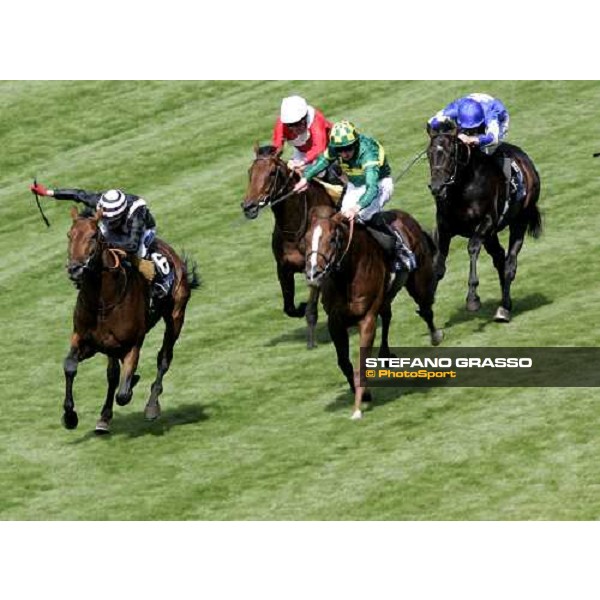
(102, 286)
(362, 253)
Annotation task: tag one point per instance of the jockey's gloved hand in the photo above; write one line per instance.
(40, 190)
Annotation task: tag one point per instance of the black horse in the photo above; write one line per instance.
(471, 197)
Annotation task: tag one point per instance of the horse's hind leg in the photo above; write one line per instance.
(312, 316)
(173, 325)
(386, 319)
(421, 286)
(474, 248)
(515, 243)
(496, 251)
(106, 414)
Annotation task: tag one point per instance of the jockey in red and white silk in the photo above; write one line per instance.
(303, 127)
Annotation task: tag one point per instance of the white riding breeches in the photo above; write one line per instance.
(354, 194)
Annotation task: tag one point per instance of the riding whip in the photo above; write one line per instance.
(37, 201)
(410, 165)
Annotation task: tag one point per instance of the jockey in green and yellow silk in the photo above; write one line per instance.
(370, 184)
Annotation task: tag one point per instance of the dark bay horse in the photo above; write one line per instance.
(112, 316)
(352, 272)
(470, 193)
(271, 184)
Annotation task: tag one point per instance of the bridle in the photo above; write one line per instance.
(331, 260)
(458, 164)
(275, 194)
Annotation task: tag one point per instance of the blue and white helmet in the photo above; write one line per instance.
(470, 114)
(113, 204)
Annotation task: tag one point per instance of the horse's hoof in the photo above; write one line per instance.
(70, 420)
(367, 397)
(473, 305)
(311, 345)
(102, 427)
(356, 415)
(436, 337)
(152, 413)
(502, 315)
(298, 312)
(123, 400)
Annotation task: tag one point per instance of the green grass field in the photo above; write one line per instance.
(254, 426)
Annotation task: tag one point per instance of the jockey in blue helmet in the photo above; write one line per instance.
(482, 121)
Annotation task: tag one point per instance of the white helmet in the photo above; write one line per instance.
(113, 204)
(293, 108)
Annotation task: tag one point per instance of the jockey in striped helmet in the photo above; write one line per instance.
(126, 224)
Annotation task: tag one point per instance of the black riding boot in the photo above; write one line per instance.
(404, 258)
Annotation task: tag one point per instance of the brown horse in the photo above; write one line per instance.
(112, 316)
(271, 184)
(470, 193)
(352, 271)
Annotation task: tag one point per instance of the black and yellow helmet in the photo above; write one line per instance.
(343, 134)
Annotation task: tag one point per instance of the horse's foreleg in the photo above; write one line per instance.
(312, 315)
(515, 243)
(288, 290)
(173, 325)
(366, 329)
(442, 241)
(106, 414)
(70, 419)
(474, 248)
(130, 363)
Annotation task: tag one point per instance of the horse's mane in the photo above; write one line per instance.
(86, 212)
(264, 151)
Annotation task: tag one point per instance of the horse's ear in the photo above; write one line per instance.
(278, 153)
(256, 148)
(74, 213)
(98, 216)
(428, 128)
(449, 126)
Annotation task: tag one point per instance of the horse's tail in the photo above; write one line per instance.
(191, 271)
(534, 221)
